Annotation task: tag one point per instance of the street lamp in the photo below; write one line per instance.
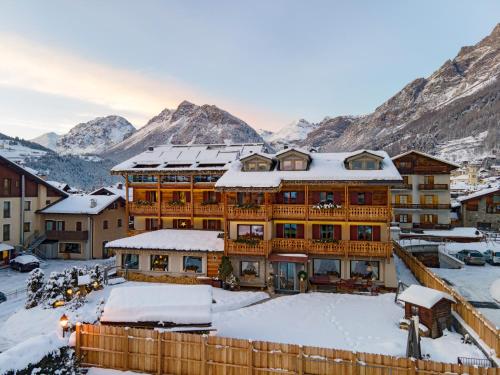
(63, 321)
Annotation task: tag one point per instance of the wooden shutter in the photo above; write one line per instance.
(175, 196)
(434, 219)
(300, 197)
(205, 224)
(354, 198)
(409, 199)
(435, 199)
(300, 230)
(354, 232)
(397, 217)
(219, 225)
(337, 232)
(279, 197)
(422, 199)
(376, 233)
(148, 224)
(279, 230)
(188, 196)
(337, 199)
(316, 232)
(368, 198)
(218, 197)
(409, 218)
(316, 196)
(205, 196)
(398, 199)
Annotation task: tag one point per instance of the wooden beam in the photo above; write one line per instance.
(158, 201)
(127, 208)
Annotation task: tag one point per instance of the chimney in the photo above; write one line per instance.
(151, 148)
(93, 203)
(119, 186)
(285, 147)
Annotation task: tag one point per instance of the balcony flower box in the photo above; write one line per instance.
(176, 203)
(208, 203)
(248, 240)
(144, 203)
(326, 240)
(326, 206)
(248, 206)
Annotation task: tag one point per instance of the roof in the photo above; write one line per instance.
(479, 193)
(323, 167)
(457, 232)
(427, 156)
(362, 152)
(31, 174)
(172, 239)
(5, 246)
(423, 296)
(164, 304)
(169, 158)
(295, 149)
(59, 185)
(81, 204)
(114, 190)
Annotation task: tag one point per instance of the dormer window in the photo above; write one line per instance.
(370, 164)
(357, 164)
(293, 165)
(364, 160)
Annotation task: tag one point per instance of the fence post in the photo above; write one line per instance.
(300, 364)
(125, 348)
(204, 343)
(250, 357)
(159, 349)
(78, 339)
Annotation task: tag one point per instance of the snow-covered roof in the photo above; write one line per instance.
(461, 232)
(169, 158)
(479, 193)
(174, 304)
(117, 189)
(81, 204)
(323, 167)
(296, 149)
(59, 185)
(427, 156)
(423, 296)
(5, 246)
(172, 239)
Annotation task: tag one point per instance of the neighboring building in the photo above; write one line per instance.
(423, 200)
(324, 213)
(117, 189)
(79, 226)
(481, 209)
(22, 194)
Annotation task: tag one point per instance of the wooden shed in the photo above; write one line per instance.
(432, 307)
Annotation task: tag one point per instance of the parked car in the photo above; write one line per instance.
(471, 257)
(492, 257)
(25, 263)
(3, 298)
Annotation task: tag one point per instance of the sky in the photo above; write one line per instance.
(269, 62)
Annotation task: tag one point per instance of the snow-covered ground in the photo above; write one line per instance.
(104, 371)
(341, 321)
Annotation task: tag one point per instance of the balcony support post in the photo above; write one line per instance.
(306, 202)
(226, 222)
(158, 202)
(192, 199)
(127, 208)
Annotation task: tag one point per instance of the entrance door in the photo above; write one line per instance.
(286, 279)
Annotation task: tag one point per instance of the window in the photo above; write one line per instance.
(262, 167)
(192, 264)
(250, 198)
(403, 218)
(78, 226)
(299, 165)
(210, 197)
(370, 164)
(249, 268)
(253, 231)
(357, 164)
(428, 218)
(106, 253)
(403, 164)
(27, 205)
(6, 232)
(403, 199)
(27, 227)
(7, 186)
(287, 165)
(60, 225)
(105, 224)
(326, 267)
(429, 180)
(364, 233)
(289, 197)
(50, 225)
(326, 232)
(428, 199)
(326, 197)
(365, 269)
(152, 224)
(159, 263)
(6, 210)
(119, 223)
(289, 230)
(151, 196)
(361, 198)
(211, 224)
(293, 165)
(69, 247)
(130, 261)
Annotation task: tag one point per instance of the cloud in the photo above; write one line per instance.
(31, 66)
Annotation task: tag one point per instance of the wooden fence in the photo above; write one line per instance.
(482, 326)
(153, 352)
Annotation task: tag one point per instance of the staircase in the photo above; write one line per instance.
(33, 245)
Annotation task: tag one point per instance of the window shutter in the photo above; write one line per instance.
(148, 224)
(205, 223)
(218, 197)
(398, 199)
(354, 232)
(369, 198)
(300, 230)
(376, 233)
(434, 219)
(435, 199)
(397, 217)
(175, 196)
(219, 225)
(279, 197)
(337, 199)
(354, 198)
(316, 232)
(300, 197)
(279, 230)
(409, 199)
(422, 199)
(188, 196)
(205, 196)
(337, 232)
(316, 196)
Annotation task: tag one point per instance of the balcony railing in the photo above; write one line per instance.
(433, 186)
(137, 209)
(290, 245)
(369, 213)
(327, 248)
(403, 187)
(327, 213)
(289, 211)
(240, 248)
(370, 248)
(208, 209)
(168, 209)
(66, 235)
(422, 206)
(257, 212)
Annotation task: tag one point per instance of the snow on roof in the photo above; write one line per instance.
(25, 259)
(323, 167)
(285, 150)
(81, 204)
(188, 157)
(470, 232)
(58, 185)
(172, 239)
(423, 296)
(5, 246)
(177, 304)
(84, 280)
(427, 156)
(117, 189)
(479, 193)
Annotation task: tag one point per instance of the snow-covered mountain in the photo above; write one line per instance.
(95, 136)
(460, 100)
(291, 134)
(188, 123)
(48, 140)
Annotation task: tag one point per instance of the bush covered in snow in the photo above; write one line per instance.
(35, 288)
(60, 362)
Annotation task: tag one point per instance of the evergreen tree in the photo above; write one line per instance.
(225, 268)
(35, 288)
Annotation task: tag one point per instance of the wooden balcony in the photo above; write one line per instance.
(289, 211)
(369, 248)
(67, 235)
(327, 213)
(422, 206)
(257, 213)
(208, 209)
(369, 213)
(327, 248)
(403, 187)
(432, 186)
(239, 248)
(137, 209)
(168, 209)
(289, 245)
